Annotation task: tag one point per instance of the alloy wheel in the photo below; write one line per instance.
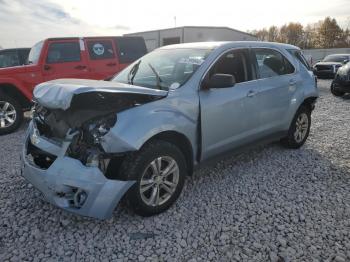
(159, 181)
(8, 114)
(302, 125)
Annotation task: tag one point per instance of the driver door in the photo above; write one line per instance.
(229, 116)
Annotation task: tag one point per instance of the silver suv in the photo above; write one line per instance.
(140, 134)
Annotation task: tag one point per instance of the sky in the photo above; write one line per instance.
(25, 22)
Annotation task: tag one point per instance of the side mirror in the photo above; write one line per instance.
(220, 81)
(345, 61)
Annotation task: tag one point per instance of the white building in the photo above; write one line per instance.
(187, 34)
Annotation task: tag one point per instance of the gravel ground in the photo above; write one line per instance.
(268, 204)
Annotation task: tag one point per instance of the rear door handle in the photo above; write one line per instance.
(80, 67)
(251, 93)
(111, 64)
(292, 82)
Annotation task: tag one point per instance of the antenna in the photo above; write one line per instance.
(175, 21)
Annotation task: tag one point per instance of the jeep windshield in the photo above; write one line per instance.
(163, 68)
(35, 52)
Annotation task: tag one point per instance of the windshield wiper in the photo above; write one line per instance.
(132, 72)
(159, 80)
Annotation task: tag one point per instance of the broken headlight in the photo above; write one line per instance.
(86, 146)
(96, 129)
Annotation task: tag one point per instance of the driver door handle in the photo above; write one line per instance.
(80, 67)
(251, 93)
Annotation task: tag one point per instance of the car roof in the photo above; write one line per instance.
(92, 37)
(338, 55)
(11, 49)
(214, 45)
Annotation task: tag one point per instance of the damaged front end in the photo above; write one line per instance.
(63, 156)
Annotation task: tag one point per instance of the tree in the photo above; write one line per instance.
(330, 34)
(273, 34)
(262, 34)
(345, 39)
(310, 39)
(291, 34)
(323, 34)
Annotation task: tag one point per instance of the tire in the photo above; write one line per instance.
(11, 114)
(142, 166)
(301, 123)
(335, 92)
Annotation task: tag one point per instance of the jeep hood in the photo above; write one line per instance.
(90, 94)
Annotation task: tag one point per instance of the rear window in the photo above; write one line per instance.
(9, 58)
(100, 49)
(130, 49)
(63, 52)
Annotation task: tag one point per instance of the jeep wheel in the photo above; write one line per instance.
(159, 170)
(11, 114)
(336, 92)
(299, 129)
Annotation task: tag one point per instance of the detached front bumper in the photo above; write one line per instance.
(68, 184)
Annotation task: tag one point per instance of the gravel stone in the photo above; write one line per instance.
(266, 204)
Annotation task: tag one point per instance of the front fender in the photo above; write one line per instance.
(16, 84)
(137, 125)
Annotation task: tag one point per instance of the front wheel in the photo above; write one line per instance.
(11, 114)
(299, 129)
(159, 170)
(335, 92)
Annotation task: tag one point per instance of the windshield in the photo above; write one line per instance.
(335, 58)
(34, 53)
(163, 68)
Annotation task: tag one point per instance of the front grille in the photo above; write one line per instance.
(324, 67)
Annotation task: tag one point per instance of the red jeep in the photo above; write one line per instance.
(89, 57)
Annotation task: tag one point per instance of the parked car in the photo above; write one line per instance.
(140, 134)
(88, 58)
(13, 57)
(341, 83)
(328, 67)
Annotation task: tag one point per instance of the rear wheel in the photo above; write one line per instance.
(159, 170)
(299, 129)
(11, 114)
(336, 92)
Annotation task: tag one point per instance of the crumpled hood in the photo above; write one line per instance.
(58, 94)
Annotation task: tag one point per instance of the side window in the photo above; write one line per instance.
(100, 49)
(130, 49)
(9, 58)
(63, 52)
(234, 63)
(272, 63)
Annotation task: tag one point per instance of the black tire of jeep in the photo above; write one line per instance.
(136, 164)
(335, 92)
(290, 141)
(19, 115)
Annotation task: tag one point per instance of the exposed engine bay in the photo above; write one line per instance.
(90, 116)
